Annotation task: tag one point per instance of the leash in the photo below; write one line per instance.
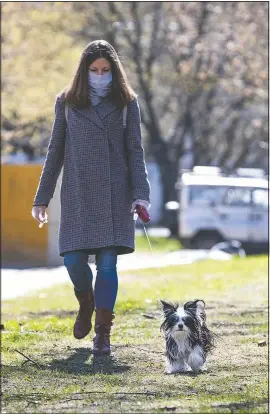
(162, 277)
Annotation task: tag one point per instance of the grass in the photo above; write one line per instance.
(71, 380)
(159, 244)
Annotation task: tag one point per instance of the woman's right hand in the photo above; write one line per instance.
(39, 214)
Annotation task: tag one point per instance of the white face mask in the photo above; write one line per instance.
(100, 81)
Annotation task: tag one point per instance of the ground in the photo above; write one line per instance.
(69, 379)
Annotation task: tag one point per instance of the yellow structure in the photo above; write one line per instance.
(24, 244)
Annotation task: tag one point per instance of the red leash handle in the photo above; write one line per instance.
(142, 213)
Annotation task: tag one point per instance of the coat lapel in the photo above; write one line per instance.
(97, 113)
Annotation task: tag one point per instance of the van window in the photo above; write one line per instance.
(209, 193)
(238, 196)
(260, 197)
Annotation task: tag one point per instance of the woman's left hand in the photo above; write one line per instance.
(142, 203)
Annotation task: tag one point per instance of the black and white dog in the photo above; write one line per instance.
(188, 340)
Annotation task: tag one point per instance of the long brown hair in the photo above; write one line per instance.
(77, 92)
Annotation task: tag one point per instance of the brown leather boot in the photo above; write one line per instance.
(103, 324)
(83, 323)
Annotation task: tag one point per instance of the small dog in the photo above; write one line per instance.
(188, 340)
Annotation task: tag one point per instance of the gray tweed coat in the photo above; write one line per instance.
(104, 171)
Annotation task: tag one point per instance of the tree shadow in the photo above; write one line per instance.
(52, 313)
(78, 364)
(189, 373)
(242, 405)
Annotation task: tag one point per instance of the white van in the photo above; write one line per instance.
(214, 207)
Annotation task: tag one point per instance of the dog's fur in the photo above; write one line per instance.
(187, 338)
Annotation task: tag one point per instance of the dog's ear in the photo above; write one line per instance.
(191, 305)
(198, 306)
(167, 306)
(200, 303)
(200, 309)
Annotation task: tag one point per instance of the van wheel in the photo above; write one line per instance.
(206, 240)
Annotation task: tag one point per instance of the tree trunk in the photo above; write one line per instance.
(169, 176)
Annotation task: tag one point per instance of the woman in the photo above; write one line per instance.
(104, 178)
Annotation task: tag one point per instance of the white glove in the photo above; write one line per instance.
(142, 203)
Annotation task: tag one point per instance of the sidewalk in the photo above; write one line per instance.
(16, 282)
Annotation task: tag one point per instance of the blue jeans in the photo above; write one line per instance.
(80, 273)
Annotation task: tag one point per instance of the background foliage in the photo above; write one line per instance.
(200, 69)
